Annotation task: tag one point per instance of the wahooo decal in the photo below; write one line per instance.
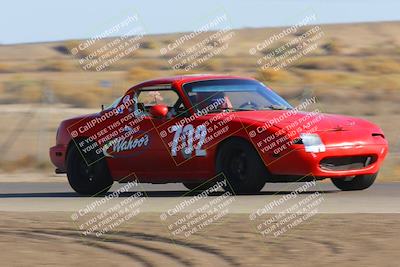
(135, 144)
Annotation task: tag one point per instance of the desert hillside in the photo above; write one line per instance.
(353, 69)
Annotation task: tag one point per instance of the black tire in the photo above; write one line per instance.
(241, 165)
(88, 177)
(359, 182)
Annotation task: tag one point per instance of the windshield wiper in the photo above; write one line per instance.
(231, 109)
(276, 107)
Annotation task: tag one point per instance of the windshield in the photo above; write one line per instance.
(233, 94)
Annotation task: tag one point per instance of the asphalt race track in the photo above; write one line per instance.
(58, 196)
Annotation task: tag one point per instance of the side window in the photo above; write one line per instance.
(146, 98)
(150, 98)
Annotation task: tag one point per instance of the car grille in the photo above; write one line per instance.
(346, 163)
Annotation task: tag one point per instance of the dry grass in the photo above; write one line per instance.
(73, 44)
(27, 162)
(20, 91)
(357, 62)
(212, 65)
(333, 46)
(148, 45)
(317, 63)
(57, 66)
(383, 65)
(137, 74)
(4, 68)
(89, 96)
(374, 65)
(270, 75)
(323, 77)
(153, 64)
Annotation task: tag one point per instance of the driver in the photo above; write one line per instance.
(205, 99)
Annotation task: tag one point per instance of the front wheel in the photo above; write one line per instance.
(359, 182)
(87, 177)
(242, 167)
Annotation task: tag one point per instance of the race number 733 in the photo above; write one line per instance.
(187, 135)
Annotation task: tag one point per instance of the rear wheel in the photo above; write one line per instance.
(87, 177)
(359, 182)
(241, 166)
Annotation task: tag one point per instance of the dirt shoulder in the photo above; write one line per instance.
(324, 240)
(31, 177)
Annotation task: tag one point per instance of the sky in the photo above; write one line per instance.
(49, 20)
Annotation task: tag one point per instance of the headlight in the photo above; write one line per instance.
(312, 142)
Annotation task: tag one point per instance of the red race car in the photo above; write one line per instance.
(198, 129)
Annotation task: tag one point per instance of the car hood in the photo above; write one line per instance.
(307, 120)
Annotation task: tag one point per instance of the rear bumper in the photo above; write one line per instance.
(298, 162)
(57, 156)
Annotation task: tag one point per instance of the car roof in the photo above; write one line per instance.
(181, 79)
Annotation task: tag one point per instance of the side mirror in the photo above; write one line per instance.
(159, 111)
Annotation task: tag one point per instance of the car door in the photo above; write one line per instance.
(146, 151)
(127, 151)
(164, 163)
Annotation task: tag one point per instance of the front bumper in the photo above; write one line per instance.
(298, 162)
(57, 156)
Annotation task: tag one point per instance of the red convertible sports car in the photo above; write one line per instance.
(198, 129)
